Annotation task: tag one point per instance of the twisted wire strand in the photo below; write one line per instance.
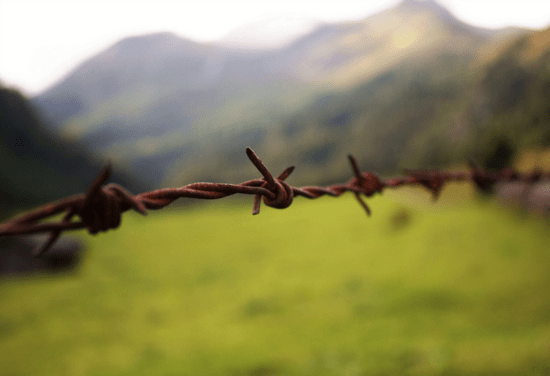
(101, 208)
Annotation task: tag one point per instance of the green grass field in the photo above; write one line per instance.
(315, 289)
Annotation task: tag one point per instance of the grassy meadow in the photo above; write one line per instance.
(455, 288)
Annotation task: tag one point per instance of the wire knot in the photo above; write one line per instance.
(103, 206)
(101, 212)
(282, 193)
(369, 183)
(431, 180)
(100, 209)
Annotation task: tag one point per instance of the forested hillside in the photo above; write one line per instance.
(447, 110)
(36, 165)
(507, 106)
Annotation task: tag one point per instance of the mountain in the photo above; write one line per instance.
(157, 102)
(161, 87)
(37, 166)
(450, 109)
(348, 54)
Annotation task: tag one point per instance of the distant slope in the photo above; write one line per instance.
(155, 84)
(349, 54)
(37, 166)
(508, 104)
(146, 96)
(452, 108)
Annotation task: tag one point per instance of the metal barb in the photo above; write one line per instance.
(360, 181)
(260, 166)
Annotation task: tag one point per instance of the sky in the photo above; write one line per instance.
(41, 41)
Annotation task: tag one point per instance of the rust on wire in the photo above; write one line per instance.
(100, 209)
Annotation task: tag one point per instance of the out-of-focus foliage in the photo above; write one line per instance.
(36, 165)
(514, 101)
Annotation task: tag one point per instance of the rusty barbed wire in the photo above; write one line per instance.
(100, 209)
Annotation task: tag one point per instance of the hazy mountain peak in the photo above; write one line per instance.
(153, 38)
(271, 32)
(152, 43)
(425, 5)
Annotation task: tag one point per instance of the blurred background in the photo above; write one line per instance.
(173, 92)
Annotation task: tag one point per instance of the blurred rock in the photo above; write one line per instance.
(531, 197)
(16, 255)
(400, 219)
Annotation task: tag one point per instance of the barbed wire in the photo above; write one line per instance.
(100, 209)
